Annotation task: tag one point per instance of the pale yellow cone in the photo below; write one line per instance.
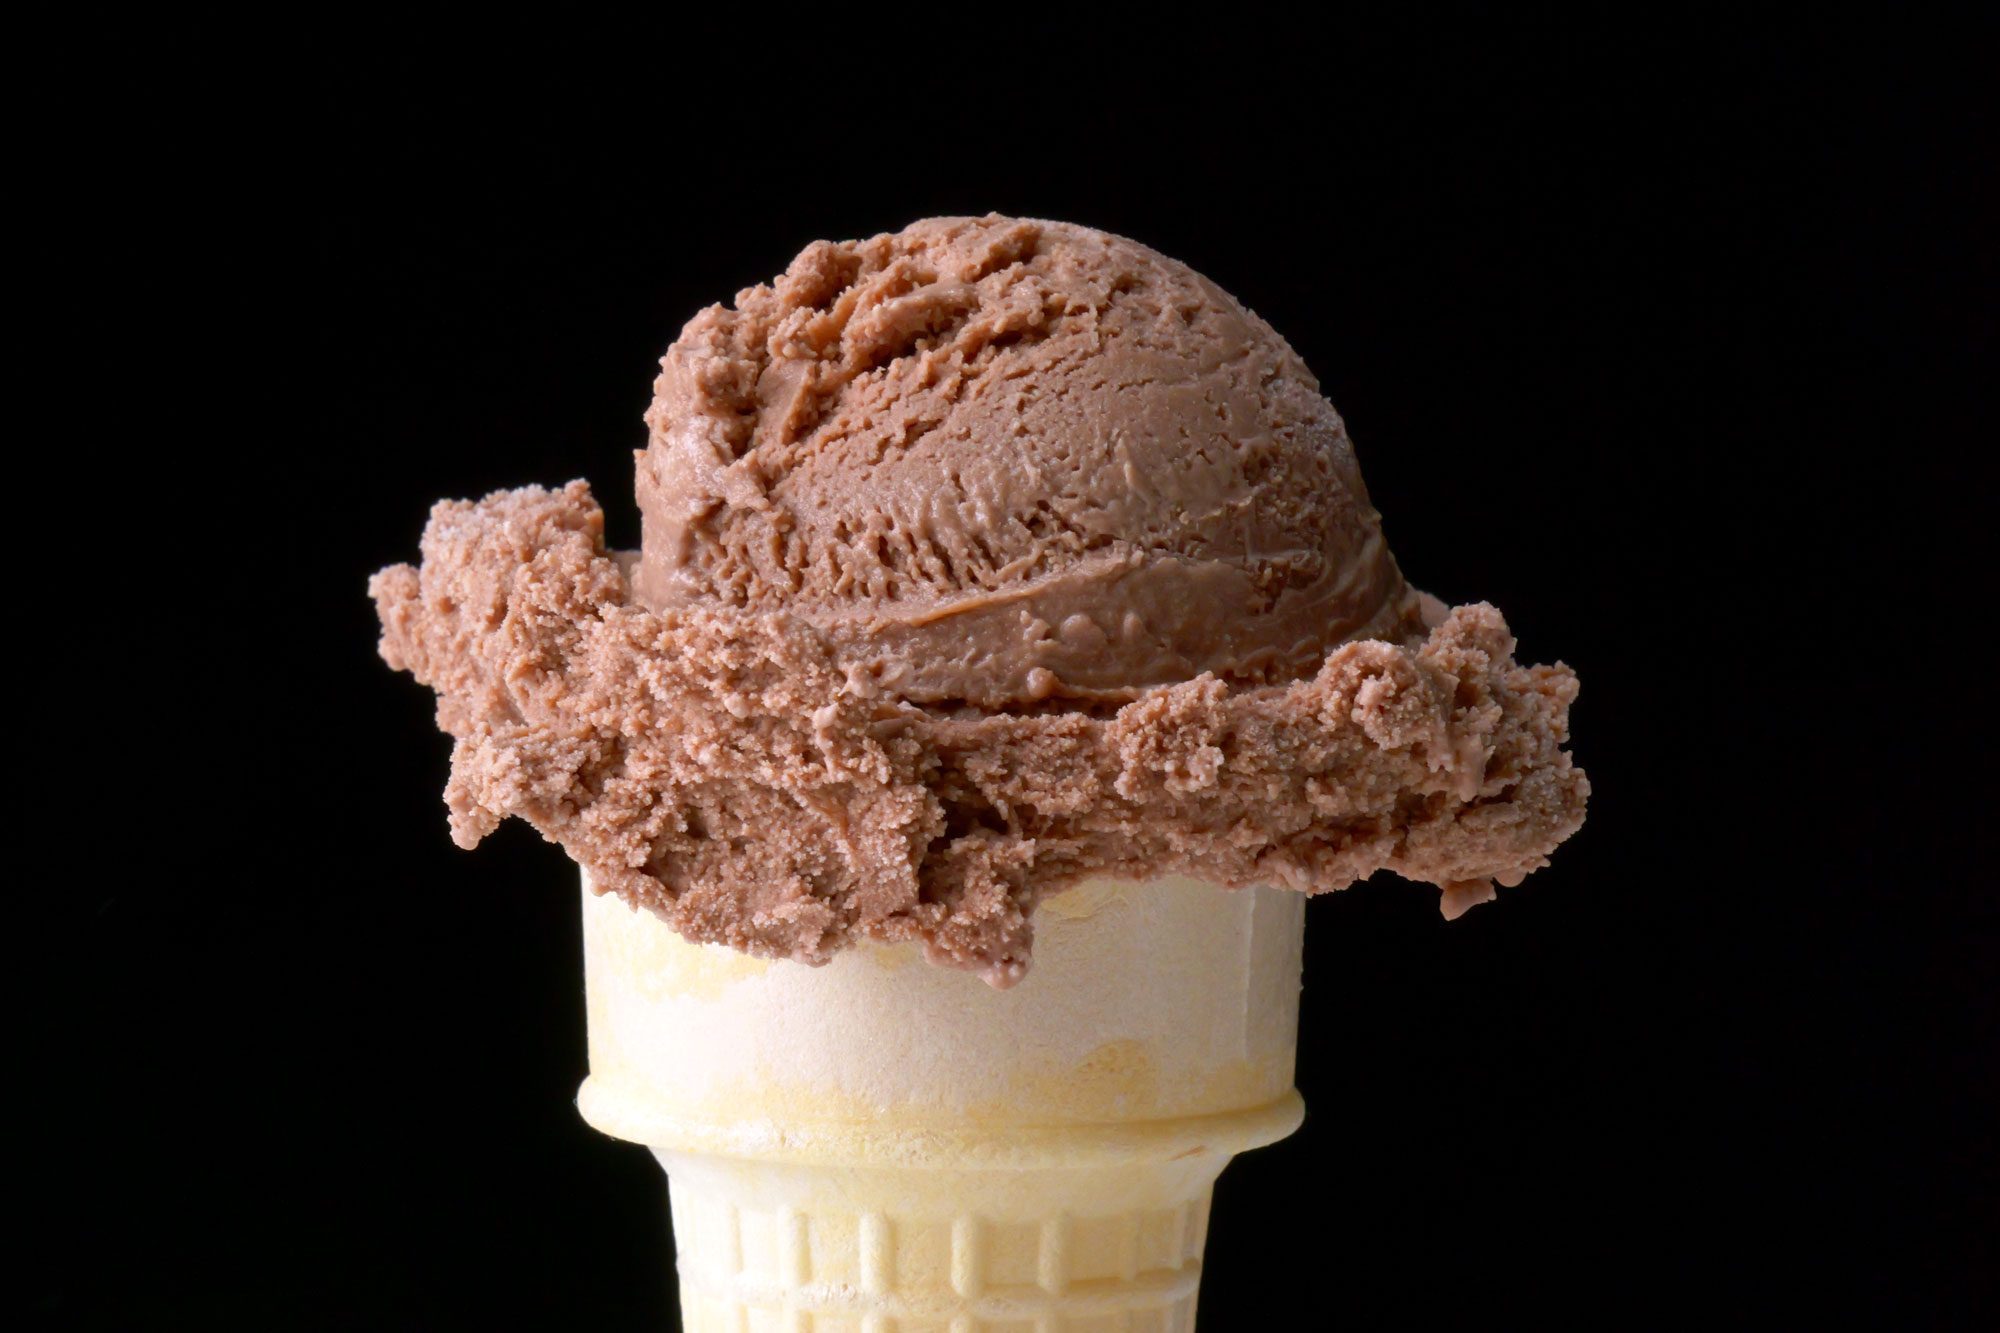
(885, 1146)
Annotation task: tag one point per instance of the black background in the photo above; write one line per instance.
(1663, 340)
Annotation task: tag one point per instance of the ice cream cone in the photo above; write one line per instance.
(884, 1146)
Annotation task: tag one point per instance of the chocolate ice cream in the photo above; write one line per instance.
(1000, 462)
(978, 560)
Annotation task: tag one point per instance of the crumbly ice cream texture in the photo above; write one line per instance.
(977, 560)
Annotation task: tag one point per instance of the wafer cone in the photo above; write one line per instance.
(883, 1146)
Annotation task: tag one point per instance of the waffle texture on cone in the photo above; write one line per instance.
(1041, 1158)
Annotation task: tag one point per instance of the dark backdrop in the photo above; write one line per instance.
(1662, 340)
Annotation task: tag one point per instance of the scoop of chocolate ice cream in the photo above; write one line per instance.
(991, 463)
(998, 461)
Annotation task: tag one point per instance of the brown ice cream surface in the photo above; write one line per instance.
(978, 560)
(1000, 461)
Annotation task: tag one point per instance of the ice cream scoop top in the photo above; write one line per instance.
(978, 560)
(1001, 461)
